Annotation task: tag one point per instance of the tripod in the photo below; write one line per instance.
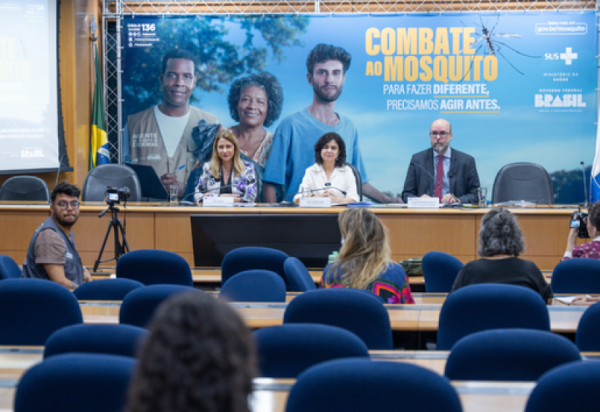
(114, 224)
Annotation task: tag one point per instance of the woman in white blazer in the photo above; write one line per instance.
(329, 177)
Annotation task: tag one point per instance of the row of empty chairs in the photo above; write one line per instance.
(32, 188)
(571, 276)
(47, 306)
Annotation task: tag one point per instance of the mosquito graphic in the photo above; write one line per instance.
(493, 47)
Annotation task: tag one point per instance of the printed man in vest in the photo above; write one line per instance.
(51, 253)
(161, 136)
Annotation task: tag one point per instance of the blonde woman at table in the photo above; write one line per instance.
(198, 356)
(365, 260)
(226, 174)
(329, 176)
(500, 244)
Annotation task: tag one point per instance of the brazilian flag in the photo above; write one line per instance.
(99, 154)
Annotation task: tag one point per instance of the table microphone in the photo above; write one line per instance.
(450, 175)
(286, 203)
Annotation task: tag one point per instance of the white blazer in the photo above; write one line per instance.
(342, 178)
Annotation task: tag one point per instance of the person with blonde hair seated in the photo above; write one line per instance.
(500, 244)
(226, 174)
(365, 260)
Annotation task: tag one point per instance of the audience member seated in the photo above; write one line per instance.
(365, 261)
(500, 244)
(52, 254)
(329, 171)
(197, 356)
(226, 174)
(590, 250)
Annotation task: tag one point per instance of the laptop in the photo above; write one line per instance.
(152, 187)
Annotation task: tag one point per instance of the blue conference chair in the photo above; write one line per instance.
(489, 306)
(440, 270)
(155, 267)
(508, 355)
(9, 268)
(104, 339)
(357, 385)
(254, 286)
(287, 350)
(106, 289)
(576, 276)
(570, 387)
(32, 309)
(74, 383)
(358, 311)
(587, 337)
(249, 258)
(297, 275)
(139, 305)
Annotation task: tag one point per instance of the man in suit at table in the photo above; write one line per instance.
(52, 254)
(442, 172)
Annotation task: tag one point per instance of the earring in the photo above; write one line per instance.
(337, 159)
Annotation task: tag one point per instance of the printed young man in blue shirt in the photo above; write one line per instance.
(293, 147)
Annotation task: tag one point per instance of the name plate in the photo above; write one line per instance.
(424, 202)
(217, 201)
(315, 202)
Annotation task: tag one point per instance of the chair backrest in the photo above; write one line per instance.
(95, 383)
(587, 337)
(249, 258)
(440, 270)
(106, 289)
(489, 306)
(297, 275)
(285, 351)
(523, 181)
(358, 180)
(576, 276)
(32, 309)
(104, 339)
(139, 305)
(155, 267)
(508, 355)
(358, 385)
(358, 311)
(29, 188)
(9, 268)
(96, 181)
(254, 286)
(570, 387)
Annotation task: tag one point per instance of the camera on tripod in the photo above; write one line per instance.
(116, 195)
(579, 221)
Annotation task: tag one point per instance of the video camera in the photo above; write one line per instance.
(116, 195)
(579, 221)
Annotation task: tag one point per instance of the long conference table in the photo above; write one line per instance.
(421, 317)
(270, 395)
(413, 232)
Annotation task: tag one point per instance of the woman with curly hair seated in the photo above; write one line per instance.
(500, 244)
(198, 356)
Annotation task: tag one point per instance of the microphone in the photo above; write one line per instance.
(585, 202)
(215, 189)
(450, 175)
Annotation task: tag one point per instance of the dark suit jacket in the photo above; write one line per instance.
(464, 180)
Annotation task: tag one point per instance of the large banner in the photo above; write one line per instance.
(515, 87)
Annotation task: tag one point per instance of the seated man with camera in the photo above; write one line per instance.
(584, 225)
(51, 254)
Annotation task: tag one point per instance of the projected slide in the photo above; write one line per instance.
(28, 86)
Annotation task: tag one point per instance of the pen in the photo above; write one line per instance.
(179, 168)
